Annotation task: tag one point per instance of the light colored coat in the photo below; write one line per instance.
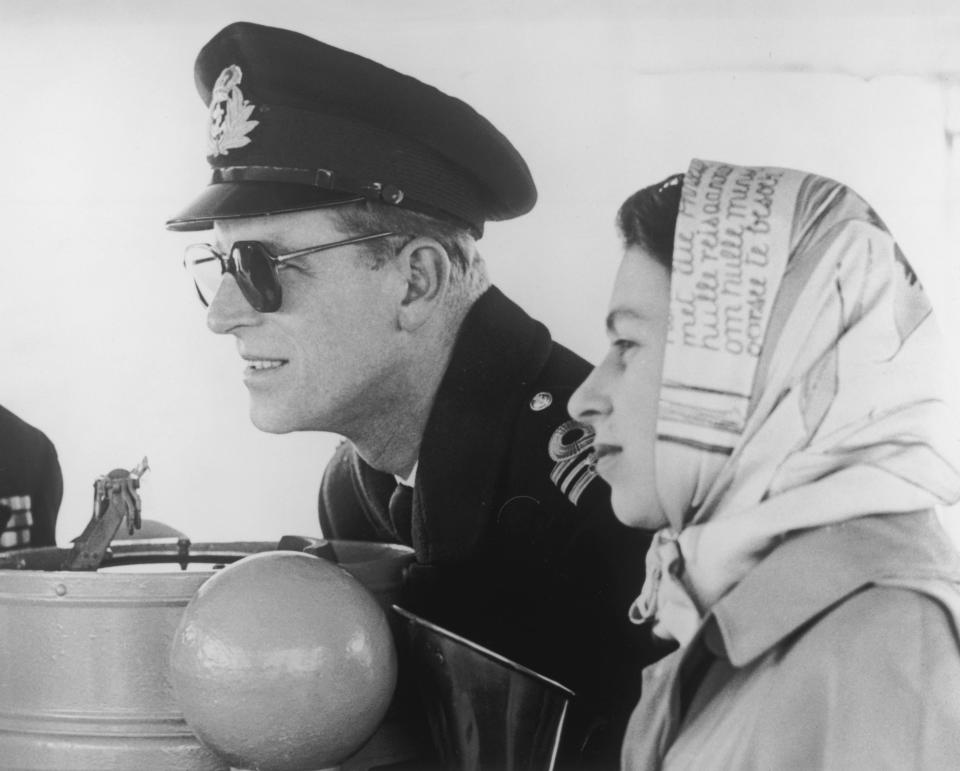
(840, 650)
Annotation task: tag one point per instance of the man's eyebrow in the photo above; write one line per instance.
(624, 314)
(268, 239)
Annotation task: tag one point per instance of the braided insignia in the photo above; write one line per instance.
(571, 447)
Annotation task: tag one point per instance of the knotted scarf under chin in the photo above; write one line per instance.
(665, 601)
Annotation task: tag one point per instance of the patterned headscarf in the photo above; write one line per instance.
(802, 381)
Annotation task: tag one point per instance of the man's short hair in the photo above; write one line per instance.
(468, 268)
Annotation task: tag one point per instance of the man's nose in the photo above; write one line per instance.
(229, 309)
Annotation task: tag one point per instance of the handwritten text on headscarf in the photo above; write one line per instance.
(722, 258)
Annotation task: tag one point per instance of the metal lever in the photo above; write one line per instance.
(115, 499)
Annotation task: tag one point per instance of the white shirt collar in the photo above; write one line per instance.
(409, 481)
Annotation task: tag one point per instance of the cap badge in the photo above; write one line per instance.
(229, 114)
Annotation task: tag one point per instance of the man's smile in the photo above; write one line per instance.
(258, 366)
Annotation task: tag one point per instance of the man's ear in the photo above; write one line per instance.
(425, 266)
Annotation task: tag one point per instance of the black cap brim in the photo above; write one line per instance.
(232, 200)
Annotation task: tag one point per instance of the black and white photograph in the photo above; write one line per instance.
(479, 386)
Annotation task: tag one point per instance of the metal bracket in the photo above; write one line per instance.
(115, 500)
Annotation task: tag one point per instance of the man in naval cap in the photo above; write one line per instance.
(345, 203)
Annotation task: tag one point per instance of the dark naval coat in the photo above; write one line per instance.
(516, 545)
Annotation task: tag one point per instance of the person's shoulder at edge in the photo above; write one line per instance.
(24, 446)
(13, 426)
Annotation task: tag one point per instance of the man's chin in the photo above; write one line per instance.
(275, 416)
(270, 422)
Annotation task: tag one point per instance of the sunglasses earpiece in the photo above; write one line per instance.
(203, 300)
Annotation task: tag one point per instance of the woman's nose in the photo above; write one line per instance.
(589, 402)
(229, 309)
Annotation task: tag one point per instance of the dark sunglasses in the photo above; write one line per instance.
(253, 266)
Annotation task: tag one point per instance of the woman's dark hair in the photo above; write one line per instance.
(648, 218)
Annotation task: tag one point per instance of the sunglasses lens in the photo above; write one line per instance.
(257, 275)
(206, 270)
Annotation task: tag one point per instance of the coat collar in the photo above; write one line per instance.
(820, 568)
(498, 351)
(803, 577)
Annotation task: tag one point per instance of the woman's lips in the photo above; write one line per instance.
(605, 455)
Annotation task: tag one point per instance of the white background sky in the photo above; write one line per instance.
(102, 342)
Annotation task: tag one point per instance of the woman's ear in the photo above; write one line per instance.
(425, 266)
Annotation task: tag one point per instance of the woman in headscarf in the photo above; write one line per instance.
(772, 404)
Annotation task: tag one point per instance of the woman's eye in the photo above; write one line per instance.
(625, 348)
